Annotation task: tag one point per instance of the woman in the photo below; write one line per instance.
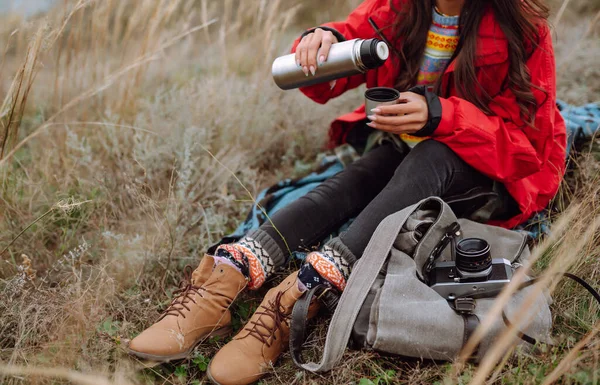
(477, 120)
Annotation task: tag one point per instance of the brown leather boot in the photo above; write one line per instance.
(254, 350)
(199, 310)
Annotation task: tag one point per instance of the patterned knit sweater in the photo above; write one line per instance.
(442, 40)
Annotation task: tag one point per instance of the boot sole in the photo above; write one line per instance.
(222, 332)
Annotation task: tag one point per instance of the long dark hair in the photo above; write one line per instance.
(519, 21)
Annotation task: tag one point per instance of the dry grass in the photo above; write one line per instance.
(107, 190)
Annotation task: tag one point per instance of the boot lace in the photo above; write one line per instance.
(183, 296)
(260, 330)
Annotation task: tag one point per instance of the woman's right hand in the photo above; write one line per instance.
(308, 48)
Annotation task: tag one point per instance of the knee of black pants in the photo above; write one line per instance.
(430, 163)
(433, 162)
(432, 152)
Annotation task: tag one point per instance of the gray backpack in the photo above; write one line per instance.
(388, 307)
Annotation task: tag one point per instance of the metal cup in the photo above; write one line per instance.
(380, 96)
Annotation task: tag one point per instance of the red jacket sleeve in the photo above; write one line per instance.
(356, 26)
(502, 146)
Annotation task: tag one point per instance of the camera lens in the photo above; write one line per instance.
(473, 257)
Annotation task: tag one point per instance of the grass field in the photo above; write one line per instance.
(134, 133)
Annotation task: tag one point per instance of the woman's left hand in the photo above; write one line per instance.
(407, 117)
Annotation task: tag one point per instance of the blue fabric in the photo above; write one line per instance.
(582, 124)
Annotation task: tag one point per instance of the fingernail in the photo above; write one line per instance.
(305, 70)
(313, 70)
(321, 59)
(372, 117)
(376, 110)
(298, 63)
(370, 125)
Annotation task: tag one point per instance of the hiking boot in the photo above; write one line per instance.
(199, 310)
(254, 350)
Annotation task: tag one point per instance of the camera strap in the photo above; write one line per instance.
(573, 277)
(452, 232)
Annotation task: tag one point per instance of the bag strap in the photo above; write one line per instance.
(362, 278)
(328, 297)
(298, 323)
(471, 322)
(465, 307)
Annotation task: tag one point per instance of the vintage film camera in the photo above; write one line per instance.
(473, 274)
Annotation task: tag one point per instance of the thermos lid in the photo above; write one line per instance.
(373, 53)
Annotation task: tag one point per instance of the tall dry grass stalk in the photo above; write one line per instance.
(156, 114)
(13, 106)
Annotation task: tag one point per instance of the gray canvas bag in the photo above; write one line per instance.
(387, 307)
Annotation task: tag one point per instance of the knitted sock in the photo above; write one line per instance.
(333, 264)
(308, 278)
(326, 266)
(233, 256)
(250, 258)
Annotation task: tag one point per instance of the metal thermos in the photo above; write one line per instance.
(345, 59)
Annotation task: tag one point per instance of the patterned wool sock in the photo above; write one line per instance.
(308, 278)
(330, 265)
(250, 258)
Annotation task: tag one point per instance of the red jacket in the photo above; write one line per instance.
(529, 161)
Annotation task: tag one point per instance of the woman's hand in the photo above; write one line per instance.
(407, 117)
(307, 49)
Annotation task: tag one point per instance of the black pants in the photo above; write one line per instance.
(381, 183)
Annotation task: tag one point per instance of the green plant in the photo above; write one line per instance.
(109, 327)
(181, 372)
(201, 362)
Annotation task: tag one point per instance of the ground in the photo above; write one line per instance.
(135, 133)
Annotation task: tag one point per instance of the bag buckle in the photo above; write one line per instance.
(328, 297)
(323, 292)
(465, 305)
